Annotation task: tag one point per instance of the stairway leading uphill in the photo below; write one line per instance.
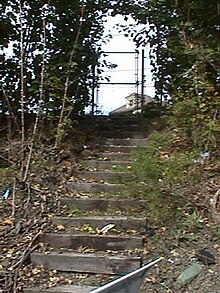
(100, 234)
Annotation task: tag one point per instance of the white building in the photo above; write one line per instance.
(133, 105)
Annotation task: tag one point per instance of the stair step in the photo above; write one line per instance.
(108, 156)
(91, 204)
(86, 262)
(94, 187)
(97, 242)
(102, 123)
(83, 249)
(127, 141)
(121, 148)
(124, 125)
(127, 125)
(105, 175)
(123, 134)
(104, 165)
(61, 289)
(112, 121)
(122, 223)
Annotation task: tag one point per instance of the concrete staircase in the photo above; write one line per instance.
(101, 231)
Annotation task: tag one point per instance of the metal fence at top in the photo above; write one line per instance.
(138, 75)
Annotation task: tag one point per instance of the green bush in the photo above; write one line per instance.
(195, 110)
(161, 172)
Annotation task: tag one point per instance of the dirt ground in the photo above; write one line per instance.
(177, 258)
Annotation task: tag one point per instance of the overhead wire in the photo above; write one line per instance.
(124, 70)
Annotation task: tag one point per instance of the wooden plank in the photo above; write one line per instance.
(91, 204)
(104, 165)
(123, 126)
(61, 289)
(123, 134)
(103, 175)
(86, 263)
(122, 149)
(127, 141)
(94, 187)
(122, 223)
(111, 156)
(98, 242)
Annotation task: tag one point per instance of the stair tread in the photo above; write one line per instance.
(123, 237)
(104, 175)
(61, 289)
(94, 183)
(89, 255)
(108, 218)
(88, 187)
(94, 203)
(122, 224)
(106, 200)
(86, 262)
(76, 241)
(112, 253)
(126, 141)
(103, 165)
(88, 172)
(121, 148)
(104, 161)
(114, 156)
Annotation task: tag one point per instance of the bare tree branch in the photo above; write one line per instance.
(22, 87)
(40, 100)
(66, 87)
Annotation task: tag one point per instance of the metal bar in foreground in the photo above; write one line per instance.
(129, 283)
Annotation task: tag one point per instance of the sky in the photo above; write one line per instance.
(113, 96)
(110, 97)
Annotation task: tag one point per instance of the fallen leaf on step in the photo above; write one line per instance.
(60, 227)
(8, 221)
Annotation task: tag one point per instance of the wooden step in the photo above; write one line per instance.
(123, 134)
(86, 262)
(127, 141)
(92, 204)
(108, 156)
(97, 242)
(122, 148)
(105, 175)
(94, 187)
(122, 223)
(117, 121)
(105, 165)
(119, 125)
(124, 125)
(61, 289)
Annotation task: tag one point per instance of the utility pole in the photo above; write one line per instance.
(142, 79)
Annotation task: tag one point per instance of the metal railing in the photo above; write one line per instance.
(129, 283)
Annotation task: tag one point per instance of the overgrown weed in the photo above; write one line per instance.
(162, 172)
(193, 221)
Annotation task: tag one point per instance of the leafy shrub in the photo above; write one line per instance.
(195, 111)
(152, 110)
(193, 221)
(161, 172)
